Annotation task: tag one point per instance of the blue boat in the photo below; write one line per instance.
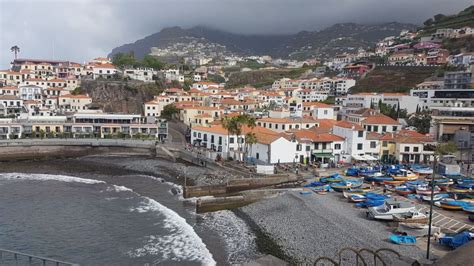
(370, 203)
(468, 208)
(352, 172)
(456, 240)
(374, 196)
(314, 184)
(305, 192)
(403, 240)
(334, 178)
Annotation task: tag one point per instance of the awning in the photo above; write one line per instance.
(358, 157)
(370, 158)
(323, 155)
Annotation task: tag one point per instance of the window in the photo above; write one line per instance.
(415, 149)
(205, 137)
(360, 134)
(316, 146)
(384, 128)
(283, 127)
(373, 144)
(269, 125)
(308, 148)
(337, 146)
(376, 128)
(276, 126)
(359, 146)
(212, 138)
(384, 144)
(407, 149)
(194, 134)
(298, 147)
(220, 140)
(231, 140)
(394, 128)
(324, 146)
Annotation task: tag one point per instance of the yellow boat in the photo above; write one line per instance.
(405, 175)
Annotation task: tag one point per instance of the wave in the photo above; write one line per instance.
(46, 177)
(181, 244)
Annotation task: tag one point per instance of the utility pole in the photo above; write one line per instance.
(435, 169)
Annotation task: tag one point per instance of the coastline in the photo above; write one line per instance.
(118, 170)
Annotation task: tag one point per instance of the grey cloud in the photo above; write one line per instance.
(80, 30)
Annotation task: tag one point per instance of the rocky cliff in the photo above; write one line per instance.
(120, 96)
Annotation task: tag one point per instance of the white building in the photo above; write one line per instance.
(355, 139)
(142, 74)
(30, 92)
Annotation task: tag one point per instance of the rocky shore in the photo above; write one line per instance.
(308, 227)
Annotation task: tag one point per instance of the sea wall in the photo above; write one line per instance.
(50, 148)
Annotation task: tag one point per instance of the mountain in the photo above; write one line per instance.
(335, 39)
(440, 21)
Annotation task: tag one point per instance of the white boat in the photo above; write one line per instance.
(414, 229)
(411, 217)
(426, 190)
(389, 208)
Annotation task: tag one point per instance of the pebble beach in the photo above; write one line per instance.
(307, 227)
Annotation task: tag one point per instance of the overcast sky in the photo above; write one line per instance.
(83, 29)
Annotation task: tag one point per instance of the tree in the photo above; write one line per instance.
(422, 122)
(439, 17)
(153, 62)
(235, 125)
(446, 148)
(121, 60)
(169, 111)
(250, 140)
(15, 49)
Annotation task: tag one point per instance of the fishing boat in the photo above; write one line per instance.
(334, 178)
(370, 203)
(403, 240)
(357, 191)
(357, 198)
(468, 208)
(389, 208)
(426, 190)
(405, 175)
(411, 217)
(375, 196)
(417, 229)
(457, 189)
(422, 170)
(451, 204)
(393, 182)
(436, 197)
(352, 172)
(404, 190)
(457, 240)
(378, 178)
(341, 186)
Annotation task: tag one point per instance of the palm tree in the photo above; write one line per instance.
(250, 140)
(226, 125)
(15, 49)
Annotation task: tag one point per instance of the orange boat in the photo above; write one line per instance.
(393, 182)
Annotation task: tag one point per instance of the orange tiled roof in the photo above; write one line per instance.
(379, 119)
(346, 124)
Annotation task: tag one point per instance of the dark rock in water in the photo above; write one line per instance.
(175, 191)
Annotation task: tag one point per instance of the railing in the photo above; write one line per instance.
(17, 257)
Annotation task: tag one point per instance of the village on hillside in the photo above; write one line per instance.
(312, 120)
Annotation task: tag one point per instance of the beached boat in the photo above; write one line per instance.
(411, 217)
(436, 197)
(403, 240)
(404, 190)
(357, 198)
(457, 240)
(405, 175)
(352, 172)
(334, 178)
(468, 208)
(389, 208)
(393, 182)
(416, 229)
(305, 192)
(348, 193)
(377, 178)
(422, 170)
(451, 204)
(457, 189)
(370, 203)
(374, 196)
(426, 190)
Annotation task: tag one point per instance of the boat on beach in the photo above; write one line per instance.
(411, 217)
(404, 190)
(426, 190)
(451, 204)
(436, 197)
(357, 198)
(405, 175)
(334, 178)
(393, 182)
(403, 240)
(422, 170)
(417, 229)
(389, 208)
(468, 208)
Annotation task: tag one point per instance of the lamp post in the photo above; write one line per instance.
(435, 169)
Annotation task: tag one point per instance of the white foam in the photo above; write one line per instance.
(46, 177)
(181, 243)
(240, 242)
(120, 188)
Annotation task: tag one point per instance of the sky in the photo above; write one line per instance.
(84, 29)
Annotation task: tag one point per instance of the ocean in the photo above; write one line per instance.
(138, 220)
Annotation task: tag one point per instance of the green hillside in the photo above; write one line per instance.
(262, 78)
(393, 79)
(463, 18)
